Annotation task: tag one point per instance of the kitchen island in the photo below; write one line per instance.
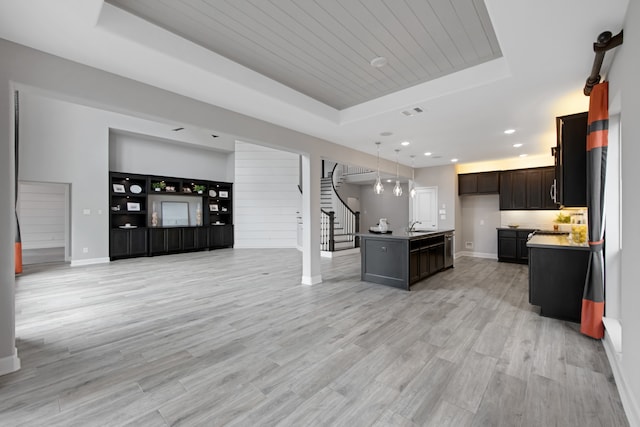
(402, 258)
(557, 274)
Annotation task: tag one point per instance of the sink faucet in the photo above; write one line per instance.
(412, 225)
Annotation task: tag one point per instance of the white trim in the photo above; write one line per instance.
(476, 255)
(10, 363)
(334, 254)
(90, 261)
(629, 401)
(311, 280)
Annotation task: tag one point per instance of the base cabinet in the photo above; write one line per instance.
(512, 245)
(128, 243)
(556, 281)
(427, 256)
(177, 239)
(221, 236)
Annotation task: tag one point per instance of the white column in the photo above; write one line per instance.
(9, 361)
(311, 170)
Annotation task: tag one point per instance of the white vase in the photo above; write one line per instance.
(383, 226)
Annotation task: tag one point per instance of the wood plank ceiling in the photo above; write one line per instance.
(323, 48)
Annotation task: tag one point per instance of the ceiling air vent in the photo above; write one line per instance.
(177, 129)
(214, 136)
(413, 111)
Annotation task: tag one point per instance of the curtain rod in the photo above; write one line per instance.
(606, 41)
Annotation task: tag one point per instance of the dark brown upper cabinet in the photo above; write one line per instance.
(527, 189)
(571, 160)
(479, 183)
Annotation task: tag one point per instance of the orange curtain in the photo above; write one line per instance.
(597, 142)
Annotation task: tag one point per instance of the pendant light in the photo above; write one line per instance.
(397, 190)
(377, 187)
(412, 192)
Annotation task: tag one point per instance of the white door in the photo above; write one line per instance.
(425, 208)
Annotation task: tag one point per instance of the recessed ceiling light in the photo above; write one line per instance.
(509, 131)
(427, 153)
(518, 145)
(389, 180)
(405, 143)
(454, 160)
(386, 133)
(378, 62)
(523, 155)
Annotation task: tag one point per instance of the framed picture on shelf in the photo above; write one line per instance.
(118, 188)
(223, 194)
(213, 208)
(133, 206)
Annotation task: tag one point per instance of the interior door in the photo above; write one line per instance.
(425, 208)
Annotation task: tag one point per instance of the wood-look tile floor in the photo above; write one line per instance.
(230, 337)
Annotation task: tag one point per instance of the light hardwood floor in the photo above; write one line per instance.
(230, 337)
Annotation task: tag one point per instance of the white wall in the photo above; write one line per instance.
(480, 218)
(446, 179)
(67, 143)
(42, 212)
(624, 86)
(145, 155)
(266, 197)
(375, 206)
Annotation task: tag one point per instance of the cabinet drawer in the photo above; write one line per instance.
(507, 233)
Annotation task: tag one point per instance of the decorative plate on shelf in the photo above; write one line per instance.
(135, 189)
(212, 193)
(127, 226)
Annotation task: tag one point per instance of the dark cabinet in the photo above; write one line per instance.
(221, 236)
(513, 190)
(127, 243)
(571, 160)
(189, 239)
(173, 240)
(527, 189)
(428, 256)
(479, 183)
(139, 227)
(178, 239)
(534, 189)
(512, 245)
(549, 188)
(556, 281)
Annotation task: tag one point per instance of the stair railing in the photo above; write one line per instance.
(327, 238)
(349, 218)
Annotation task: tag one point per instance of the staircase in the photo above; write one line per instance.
(339, 223)
(342, 239)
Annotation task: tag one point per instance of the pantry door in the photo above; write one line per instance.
(425, 208)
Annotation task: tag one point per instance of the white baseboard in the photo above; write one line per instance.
(327, 254)
(90, 261)
(311, 280)
(10, 364)
(629, 401)
(476, 255)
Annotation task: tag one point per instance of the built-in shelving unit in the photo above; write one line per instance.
(154, 215)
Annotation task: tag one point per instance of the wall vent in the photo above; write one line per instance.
(468, 245)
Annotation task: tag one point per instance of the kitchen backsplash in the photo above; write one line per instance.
(543, 220)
